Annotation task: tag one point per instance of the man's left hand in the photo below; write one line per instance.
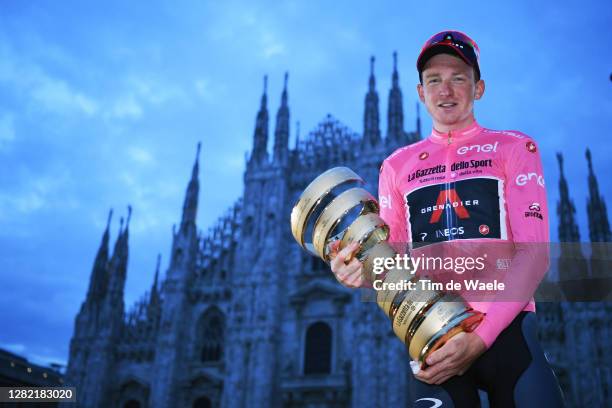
(453, 358)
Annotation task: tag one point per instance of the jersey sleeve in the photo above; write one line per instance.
(527, 215)
(392, 209)
(526, 194)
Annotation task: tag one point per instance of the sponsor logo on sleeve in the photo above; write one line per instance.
(534, 211)
(531, 147)
(511, 133)
(523, 179)
(385, 201)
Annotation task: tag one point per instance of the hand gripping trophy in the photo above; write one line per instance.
(334, 208)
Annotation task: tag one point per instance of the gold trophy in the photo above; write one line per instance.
(341, 210)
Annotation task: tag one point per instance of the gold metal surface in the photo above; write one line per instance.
(336, 210)
(312, 196)
(384, 298)
(454, 323)
(423, 319)
(436, 319)
(414, 303)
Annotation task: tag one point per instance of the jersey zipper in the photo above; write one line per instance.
(449, 211)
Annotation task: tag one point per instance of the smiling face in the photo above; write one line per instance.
(448, 91)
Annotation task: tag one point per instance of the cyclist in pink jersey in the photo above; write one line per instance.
(468, 184)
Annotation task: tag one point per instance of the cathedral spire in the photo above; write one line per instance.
(395, 78)
(599, 226)
(98, 280)
(260, 137)
(117, 270)
(157, 272)
(154, 298)
(190, 206)
(568, 229)
(395, 111)
(281, 134)
(371, 127)
(297, 134)
(372, 82)
(121, 246)
(129, 217)
(571, 265)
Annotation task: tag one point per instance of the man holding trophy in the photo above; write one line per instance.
(468, 184)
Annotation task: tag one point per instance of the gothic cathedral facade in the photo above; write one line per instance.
(245, 318)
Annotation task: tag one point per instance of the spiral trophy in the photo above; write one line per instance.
(334, 207)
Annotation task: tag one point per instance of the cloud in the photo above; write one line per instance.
(43, 360)
(249, 28)
(7, 129)
(147, 200)
(140, 155)
(154, 91)
(204, 89)
(57, 96)
(16, 348)
(141, 93)
(271, 45)
(128, 97)
(34, 193)
(41, 89)
(126, 107)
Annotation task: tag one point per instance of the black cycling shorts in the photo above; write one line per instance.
(514, 373)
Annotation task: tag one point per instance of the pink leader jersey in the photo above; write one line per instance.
(470, 184)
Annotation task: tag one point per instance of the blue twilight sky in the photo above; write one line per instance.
(102, 104)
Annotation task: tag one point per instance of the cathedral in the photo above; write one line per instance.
(245, 318)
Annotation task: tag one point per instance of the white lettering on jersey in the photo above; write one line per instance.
(485, 148)
(523, 179)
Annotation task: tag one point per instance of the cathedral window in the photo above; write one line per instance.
(211, 331)
(317, 353)
(248, 226)
(178, 255)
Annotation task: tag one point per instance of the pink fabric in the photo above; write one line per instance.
(475, 184)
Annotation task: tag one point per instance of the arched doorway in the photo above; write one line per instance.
(132, 404)
(133, 394)
(202, 402)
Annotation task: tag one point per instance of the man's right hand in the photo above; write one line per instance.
(348, 274)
